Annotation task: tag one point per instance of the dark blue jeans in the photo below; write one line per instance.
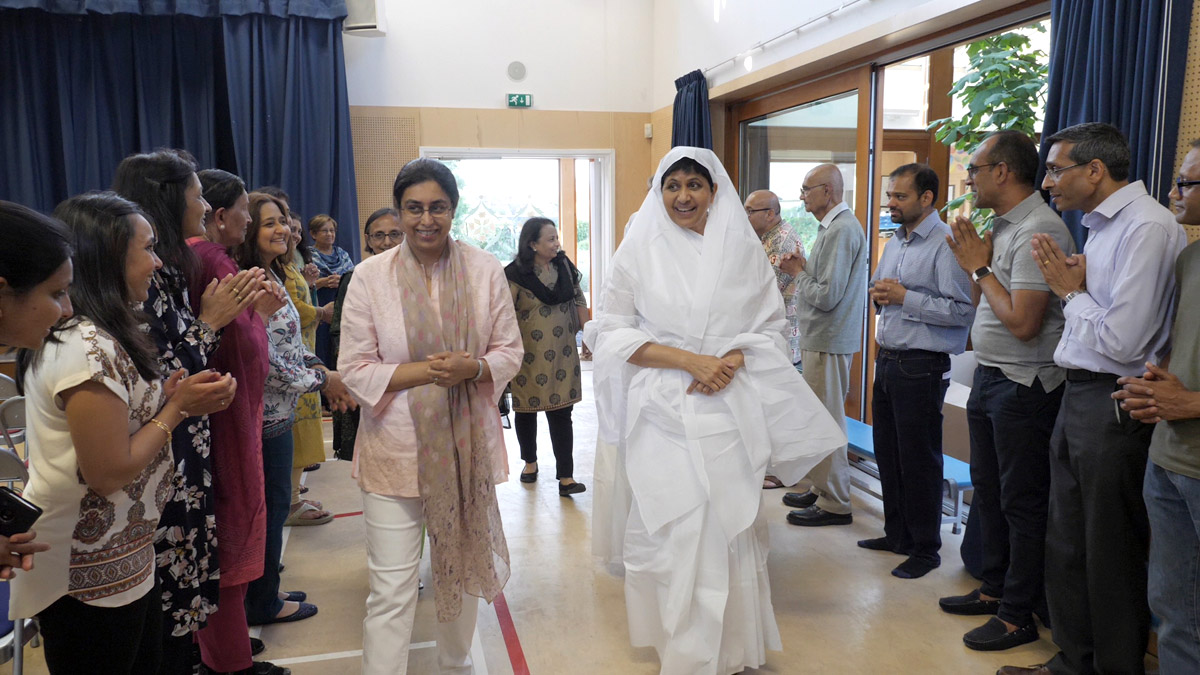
(262, 594)
(1173, 504)
(907, 429)
(1010, 427)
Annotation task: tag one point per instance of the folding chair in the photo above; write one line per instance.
(12, 422)
(20, 631)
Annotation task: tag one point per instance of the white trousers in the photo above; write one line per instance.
(828, 375)
(393, 558)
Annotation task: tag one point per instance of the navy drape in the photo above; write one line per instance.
(1121, 62)
(313, 9)
(258, 95)
(691, 122)
(291, 116)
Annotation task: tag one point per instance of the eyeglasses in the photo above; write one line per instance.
(972, 169)
(394, 235)
(436, 209)
(1055, 172)
(750, 211)
(804, 189)
(1180, 183)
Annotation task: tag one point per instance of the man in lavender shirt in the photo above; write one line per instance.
(1117, 305)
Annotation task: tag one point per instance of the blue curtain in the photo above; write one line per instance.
(1121, 62)
(691, 122)
(262, 95)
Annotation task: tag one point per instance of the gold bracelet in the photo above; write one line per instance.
(166, 429)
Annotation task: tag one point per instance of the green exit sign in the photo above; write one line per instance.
(520, 100)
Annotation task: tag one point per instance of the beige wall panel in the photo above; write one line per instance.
(564, 129)
(633, 165)
(663, 121)
(1189, 119)
(384, 140)
(468, 128)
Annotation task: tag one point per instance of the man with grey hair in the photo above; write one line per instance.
(830, 303)
(1016, 389)
(1116, 300)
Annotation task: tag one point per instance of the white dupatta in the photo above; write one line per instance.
(708, 294)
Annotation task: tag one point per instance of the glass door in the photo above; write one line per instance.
(781, 137)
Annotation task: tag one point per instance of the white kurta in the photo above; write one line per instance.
(678, 476)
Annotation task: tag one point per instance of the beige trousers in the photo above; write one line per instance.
(828, 375)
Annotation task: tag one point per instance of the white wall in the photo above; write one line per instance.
(688, 35)
(580, 54)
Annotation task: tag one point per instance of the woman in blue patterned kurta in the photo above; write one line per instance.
(165, 185)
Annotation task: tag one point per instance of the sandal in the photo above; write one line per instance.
(772, 483)
(297, 516)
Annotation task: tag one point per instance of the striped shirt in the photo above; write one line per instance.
(937, 311)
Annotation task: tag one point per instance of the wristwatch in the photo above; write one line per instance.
(1071, 296)
(980, 273)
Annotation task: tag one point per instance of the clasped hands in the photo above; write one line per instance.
(450, 368)
(1063, 273)
(887, 292)
(1157, 396)
(712, 374)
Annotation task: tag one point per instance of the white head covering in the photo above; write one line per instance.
(709, 295)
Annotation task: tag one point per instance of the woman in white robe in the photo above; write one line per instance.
(697, 397)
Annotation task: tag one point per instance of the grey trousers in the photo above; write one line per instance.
(828, 375)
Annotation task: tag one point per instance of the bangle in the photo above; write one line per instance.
(480, 373)
(166, 429)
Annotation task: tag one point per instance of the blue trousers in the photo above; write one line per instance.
(1173, 504)
(262, 594)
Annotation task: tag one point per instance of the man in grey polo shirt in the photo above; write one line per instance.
(1168, 396)
(1016, 391)
(829, 309)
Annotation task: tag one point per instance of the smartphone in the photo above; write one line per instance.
(17, 514)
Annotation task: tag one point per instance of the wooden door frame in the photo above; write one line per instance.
(859, 79)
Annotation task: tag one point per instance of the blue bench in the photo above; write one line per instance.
(956, 474)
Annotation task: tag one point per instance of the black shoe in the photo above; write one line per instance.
(993, 636)
(257, 646)
(815, 516)
(313, 467)
(969, 605)
(915, 568)
(800, 500)
(879, 544)
(529, 477)
(258, 668)
(570, 489)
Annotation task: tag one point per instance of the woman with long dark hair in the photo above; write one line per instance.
(551, 310)
(293, 370)
(35, 275)
(101, 418)
(165, 186)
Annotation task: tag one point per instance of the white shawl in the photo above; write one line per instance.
(709, 295)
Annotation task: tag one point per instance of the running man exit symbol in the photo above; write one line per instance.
(520, 100)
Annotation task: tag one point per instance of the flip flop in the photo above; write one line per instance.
(772, 483)
(297, 516)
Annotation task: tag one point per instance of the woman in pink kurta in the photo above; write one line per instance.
(428, 328)
(237, 463)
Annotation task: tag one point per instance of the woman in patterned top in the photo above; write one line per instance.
(35, 272)
(551, 310)
(164, 184)
(293, 370)
(100, 420)
(334, 263)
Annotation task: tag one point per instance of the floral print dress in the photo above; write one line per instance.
(186, 543)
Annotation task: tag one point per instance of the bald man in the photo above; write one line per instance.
(831, 298)
(778, 239)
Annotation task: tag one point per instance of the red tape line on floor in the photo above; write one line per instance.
(347, 515)
(515, 654)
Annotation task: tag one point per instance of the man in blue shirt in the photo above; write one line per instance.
(925, 310)
(1116, 304)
